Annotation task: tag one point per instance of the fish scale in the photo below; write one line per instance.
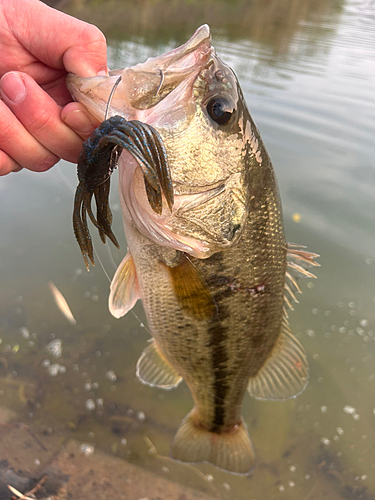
(213, 271)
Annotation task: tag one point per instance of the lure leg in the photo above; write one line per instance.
(98, 159)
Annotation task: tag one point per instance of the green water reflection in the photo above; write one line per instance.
(307, 69)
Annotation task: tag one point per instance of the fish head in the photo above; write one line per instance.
(194, 101)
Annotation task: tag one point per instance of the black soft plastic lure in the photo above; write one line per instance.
(98, 159)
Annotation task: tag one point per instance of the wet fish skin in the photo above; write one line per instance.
(217, 356)
(212, 271)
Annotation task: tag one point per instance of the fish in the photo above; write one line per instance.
(211, 264)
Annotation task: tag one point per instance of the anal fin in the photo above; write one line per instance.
(153, 369)
(230, 450)
(124, 288)
(285, 373)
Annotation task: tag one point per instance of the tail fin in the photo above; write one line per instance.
(230, 450)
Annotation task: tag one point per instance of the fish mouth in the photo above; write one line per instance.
(145, 85)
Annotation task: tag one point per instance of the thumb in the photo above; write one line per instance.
(88, 55)
(77, 118)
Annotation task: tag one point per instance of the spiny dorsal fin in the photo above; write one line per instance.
(285, 373)
(300, 260)
(191, 290)
(124, 288)
(298, 263)
(153, 369)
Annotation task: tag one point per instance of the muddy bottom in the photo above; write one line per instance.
(45, 465)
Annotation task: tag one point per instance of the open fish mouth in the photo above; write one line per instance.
(145, 85)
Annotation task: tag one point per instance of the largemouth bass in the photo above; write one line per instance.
(212, 267)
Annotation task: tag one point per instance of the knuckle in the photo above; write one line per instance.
(93, 37)
(89, 46)
(42, 120)
(45, 163)
(4, 170)
(8, 132)
(32, 155)
(7, 165)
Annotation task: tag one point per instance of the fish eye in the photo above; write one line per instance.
(220, 110)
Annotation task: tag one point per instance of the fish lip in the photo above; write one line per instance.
(160, 76)
(178, 60)
(201, 39)
(178, 65)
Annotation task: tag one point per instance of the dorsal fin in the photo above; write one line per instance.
(299, 261)
(285, 373)
(124, 288)
(191, 290)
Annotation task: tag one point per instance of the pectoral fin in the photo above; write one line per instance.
(191, 290)
(285, 373)
(124, 288)
(153, 369)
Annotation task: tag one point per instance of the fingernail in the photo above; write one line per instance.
(79, 121)
(13, 87)
(87, 71)
(103, 72)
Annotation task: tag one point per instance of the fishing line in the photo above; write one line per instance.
(70, 186)
(146, 146)
(110, 256)
(64, 178)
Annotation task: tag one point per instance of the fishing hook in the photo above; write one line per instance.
(161, 82)
(110, 96)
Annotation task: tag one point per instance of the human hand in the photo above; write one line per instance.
(39, 46)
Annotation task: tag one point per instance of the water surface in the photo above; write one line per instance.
(307, 70)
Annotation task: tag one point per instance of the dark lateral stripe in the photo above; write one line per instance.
(220, 386)
(218, 336)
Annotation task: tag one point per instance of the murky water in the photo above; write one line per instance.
(307, 70)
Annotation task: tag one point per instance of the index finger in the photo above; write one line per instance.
(57, 39)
